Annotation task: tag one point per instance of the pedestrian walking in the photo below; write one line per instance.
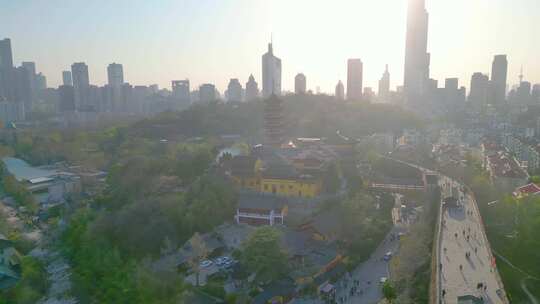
(460, 267)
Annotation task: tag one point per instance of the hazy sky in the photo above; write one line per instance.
(215, 40)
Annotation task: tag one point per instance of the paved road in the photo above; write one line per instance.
(370, 272)
(462, 233)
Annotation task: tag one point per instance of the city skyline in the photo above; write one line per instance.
(458, 50)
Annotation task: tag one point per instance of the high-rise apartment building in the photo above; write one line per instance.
(300, 84)
(181, 91)
(66, 98)
(499, 74)
(81, 85)
(115, 75)
(479, 91)
(66, 78)
(115, 88)
(354, 79)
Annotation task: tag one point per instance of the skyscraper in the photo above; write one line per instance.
(499, 74)
(115, 84)
(384, 84)
(252, 89)
(7, 72)
(30, 67)
(300, 84)
(416, 56)
(6, 55)
(340, 91)
(523, 93)
(207, 92)
(81, 85)
(535, 94)
(23, 87)
(181, 91)
(234, 90)
(115, 75)
(41, 82)
(354, 79)
(32, 78)
(66, 78)
(271, 73)
(478, 95)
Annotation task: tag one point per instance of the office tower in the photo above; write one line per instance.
(81, 85)
(340, 91)
(416, 56)
(300, 84)
(41, 82)
(180, 91)
(252, 89)
(6, 55)
(271, 73)
(499, 73)
(354, 79)
(273, 122)
(234, 90)
(115, 75)
(66, 98)
(479, 91)
(384, 84)
(207, 93)
(7, 72)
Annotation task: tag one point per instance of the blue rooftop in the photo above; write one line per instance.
(23, 171)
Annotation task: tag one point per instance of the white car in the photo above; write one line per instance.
(383, 280)
(206, 263)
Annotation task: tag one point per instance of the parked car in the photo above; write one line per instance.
(221, 261)
(206, 264)
(388, 256)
